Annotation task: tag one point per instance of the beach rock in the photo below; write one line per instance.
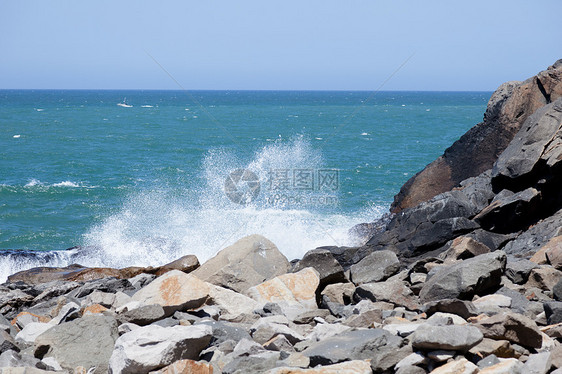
(510, 212)
(143, 315)
(462, 366)
(544, 278)
(341, 293)
(553, 311)
(513, 327)
(223, 331)
(31, 331)
(350, 367)
(452, 337)
(351, 345)
(279, 343)
(12, 358)
(553, 252)
(464, 247)
(87, 342)
(323, 261)
(462, 308)
(493, 301)
(186, 264)
(538, 363)
(477, 150)
(557, 290)
(294, 292)
(248, 262)
(109, 285)
(7, 342)
(518, 271)
(153, 347)
(253, 364)
(392, 291)
(376, 267)
(229, 302)
(487, 347)
(507, 366)
(466, 278)
(531, 240)
(174, 290)
(186, 367)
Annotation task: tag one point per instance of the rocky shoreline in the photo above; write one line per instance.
(464, 276)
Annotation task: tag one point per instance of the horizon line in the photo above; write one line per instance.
(233, 89)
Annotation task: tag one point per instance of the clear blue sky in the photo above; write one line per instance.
(304, 44)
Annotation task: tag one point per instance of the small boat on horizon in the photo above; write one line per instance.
(124, 104)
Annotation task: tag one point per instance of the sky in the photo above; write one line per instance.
(276, 45)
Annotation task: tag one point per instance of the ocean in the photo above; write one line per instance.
(169, 173)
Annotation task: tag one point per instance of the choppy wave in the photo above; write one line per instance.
(156, 227)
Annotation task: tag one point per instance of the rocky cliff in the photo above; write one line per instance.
(477, 150)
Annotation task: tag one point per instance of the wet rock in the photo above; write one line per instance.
(87, 342)
(248, 262)
(351, 345)
(174, 290)
(295, 292)
(376, 267)
(153, 347)
(452, 337)
(464, 279)
(513, 327)
(323, 261)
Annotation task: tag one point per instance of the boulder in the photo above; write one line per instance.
(478, 149)
(324, 262)
(553, 311)
(349, 367)
(452, 337)
(143, 315)
(248, 262)
(462, 308)
(186, 367)
(553, 252)
(507, 366)
(341, 293)
(513, 327)
(294, 292)
(31, 331)
(231, 304)
(174, 290)
(466, 278)
(7, 342)
(153, 347)
(351, 345)
(464, 247)
(393, 291)
(462, 366)
(376, 267)
(543, 277)
(87, 342)
(498, 348)
(186, 264)
(557, 290)
(518, 270)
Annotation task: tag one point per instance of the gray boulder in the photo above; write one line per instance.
(143, 315)
(351, 345)
(152, 347)
(376, 267)
(553, 311)
(513, 327)
(557, 290)
(518, 270)
(466, 278)
(451, 337)
(87, 342)
(248, 262)
(325, 263)
(462, 308)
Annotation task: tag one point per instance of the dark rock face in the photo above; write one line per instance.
(472, 276)
(477, 150)
(324, 262)
(553, 311)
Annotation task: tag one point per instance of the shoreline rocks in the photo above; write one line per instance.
(464, 277)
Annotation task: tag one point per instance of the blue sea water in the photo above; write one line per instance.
(145, 184)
